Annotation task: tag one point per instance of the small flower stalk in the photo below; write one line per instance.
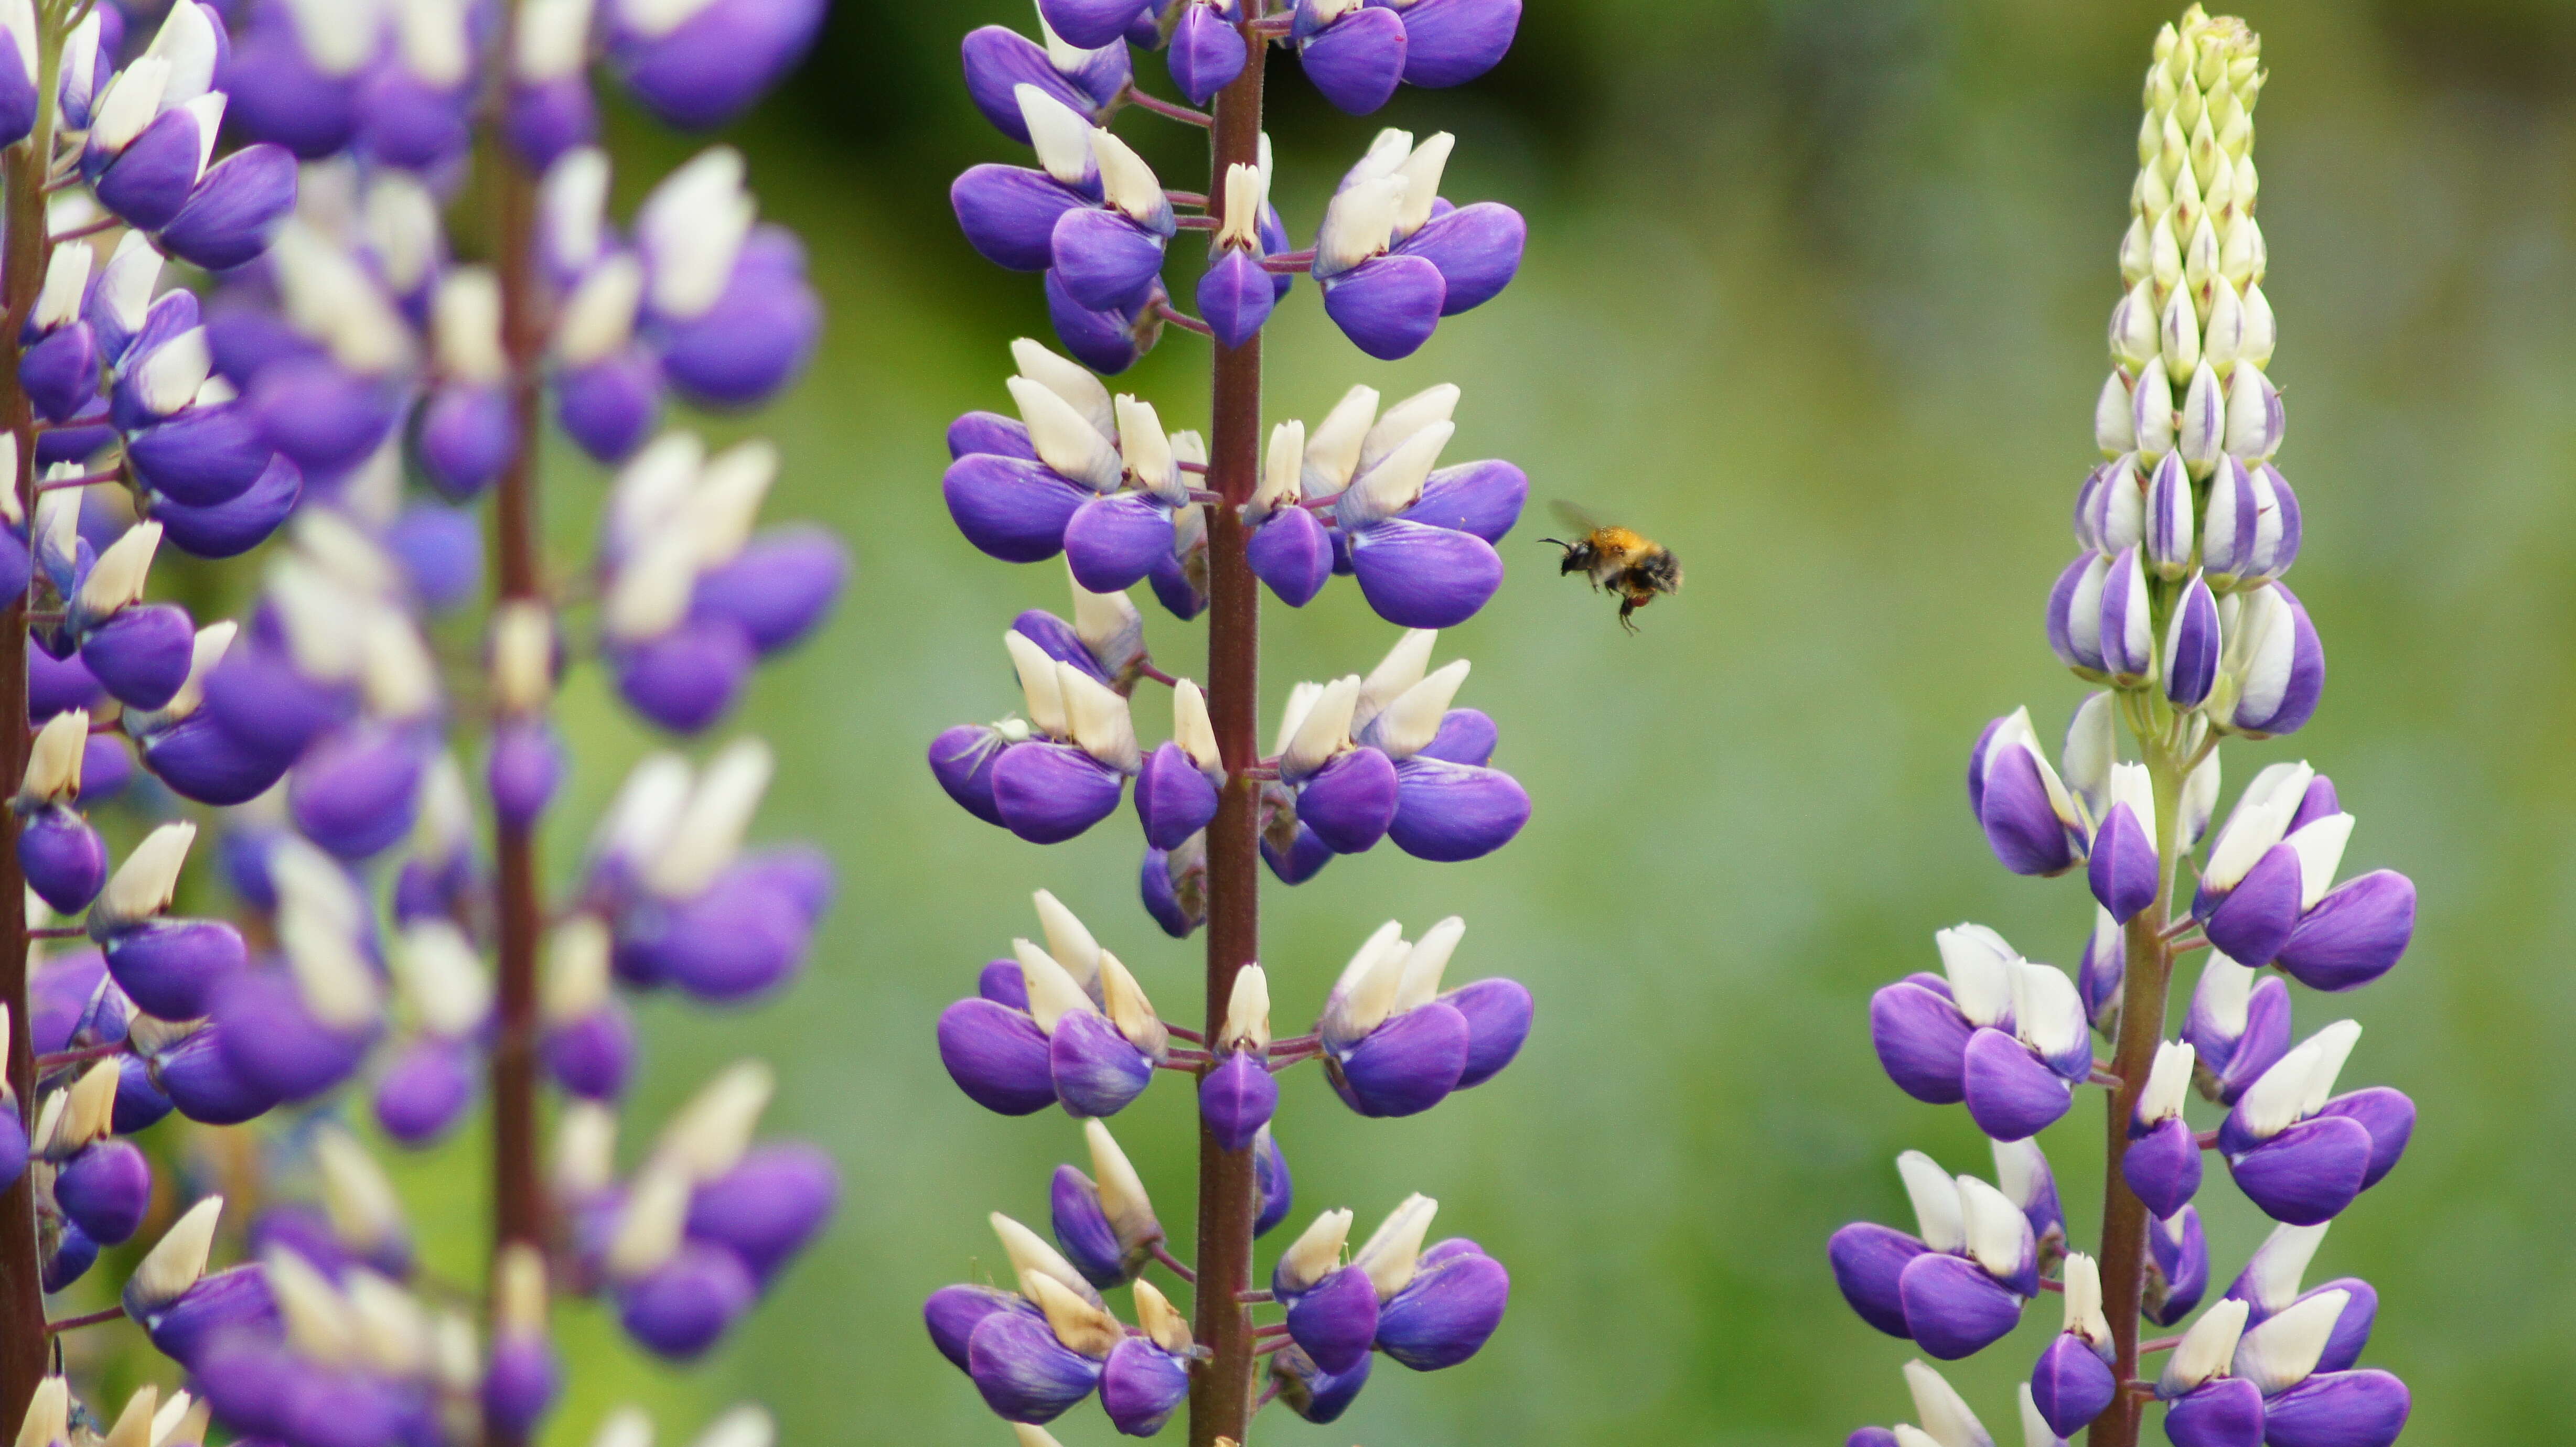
(2176, 609)
(238, 317)
(1205, 519)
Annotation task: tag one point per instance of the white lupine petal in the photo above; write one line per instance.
(179, 1257)
(1064, 439)
(310, 882)
(2168, 1079)
(2284, 1349)
(319, 1324)
(2035, 1431)
(1323, 731)
(1160, 1320)
(1412, 721)
(553, 40)
(1079, 1322)
(1244, 194)
(340, 36)
(576, 982)
(54, 759)
(1039, 692)
(1401, 422)
(2199, 803)
(1940, 1218)
(523, 644)
(572, 204)
(1031, 1257)
(1053, 994)
(650, 1224)
(1098, 719)
(1979, 966)
(2092, 748)
(1146, 450)
(167, 380)
(2115, 431)
(2225, 991)
(1366, 990)
(2261, 815)
(1108, 625)
(1247, 1011)
(1388, 150)
(709, 832)
(2133, 786)
(1999, 1236)
(66, 283)
(1127, 184)
(1281, 466)
(467, 326)
(2319, 843)
(1301, 699)
(1059, 135)
(1424, 963)
(1191, 728)
(655, 18)
(1085, 392)
(182, 1421)
(1394, 1250)
(1123, 1001)
(1069, 942)
(208, 112)
(2048, 1011)
(585, 1153)
(365, 1211)
(1396, 482)
(625, 1427)
(2274, 1271)
(518, 1290)
(1358, 224)
(146, 882)
(646, 807)
(430, 35)
(600, 317)
(336, 982)
(1399, 671)
(393, 1335)
(398, 679)
(1333, 446)
(1421, 172)
(10, 511)
(744, 1425)
(693, 226)
(1318, 1249)
(2021, 1171)
(2206, 1348)
(133, 99)
(2334, 1046)
(2083, 1281)
(707, 1136)
(118, 577)
(444, 979)
(1943, 1413)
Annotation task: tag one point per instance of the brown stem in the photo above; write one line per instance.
(1221, 1390)
(100, 1317)
(2143, 991)
(518, 1196)
(24, 1345)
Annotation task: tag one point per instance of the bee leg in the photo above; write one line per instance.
(1626, 607)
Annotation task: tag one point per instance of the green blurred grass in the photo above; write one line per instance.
(1814, 294)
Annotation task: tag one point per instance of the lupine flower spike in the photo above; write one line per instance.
(2175, 609)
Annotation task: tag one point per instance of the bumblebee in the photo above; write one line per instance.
(1625, 562)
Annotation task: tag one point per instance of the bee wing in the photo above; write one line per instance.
(1583, 523)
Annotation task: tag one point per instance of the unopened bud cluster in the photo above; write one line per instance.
(2176, 604)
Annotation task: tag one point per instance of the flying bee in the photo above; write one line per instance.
(1627, 563)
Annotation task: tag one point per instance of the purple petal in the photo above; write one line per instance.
(680, 1309)
(1405, 1066)
(714, 64)
(1451, 812)
(2253, 921)
(1336, 1320)
(593, 1057)
(1082, 1229)
(991, 432)
(230, 529)
(1293, 553)
(1477, 249)
(1350, 801)
(1388, 306)
(1112, 542)
(1302, 861)
(997, 1055)
(1174, 800)
(2123, 869)
(1357, 60)
(2352, 1328)
(2282, 687)
(104, 1190)
(1235, 294)
(611, 405)
(1103, 260)
(778, 587)
(962, 760)
(1058, 640)
(2389, 1117)
(758, 334)
(202, 1083)
(997, 60)
(356, 792)
(424, 1091)
(235, 210)
(1237, 1099)
(1953, 1309)
(1498, 1013)
(2192, 646)
(2071, 1384)
(324, 418)
(1012, 509)
(1097, 1071)
(1314, 1394)
(2354, 935)
(275, 1043)
(1451, 42)
(141, 653)
(1142, 1386)
(1047, 793)
(1466, 736)
(1484, 498)
(63, 859)
(1447, 1312)
(1025, 1374)
(1867, 1259)
(2021, 827)
(1922, 1041)
(686, 679)
(1206, 54)
(467, 435)
(2225, 1413)
(2339, 1409)
(172, 968)
(953, 1312)
(150, 179)
(2307, 1174)
(2163, 1166)
(60, 372)
(2011, 1093)
(1108, 342)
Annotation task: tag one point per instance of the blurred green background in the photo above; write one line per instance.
(1815, 294)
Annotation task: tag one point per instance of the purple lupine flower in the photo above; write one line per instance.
(2162, 1162)
(1106, 1227)
(1206, 51)
(1110, 256)
(1332, 1307)
(2273, 668)
(999, 61)
(1393, 1044)
(1015, 503)
(2073, 1382)
(2306, 1401)
(173, 969)
(1392, 263)
(2031, 821)
(2252, 533)
(1056, 782)
(2206, 1406)
(2122, 869)
(1093, 1053)
(423, 1093)
(696, 64)
(1957, 1286)
(2177, 1267)
(2238, 1027)
(61, 856)
(153, 128)
(726, 307)
(2300, 1152)
(1236, 293)
(1354, 53)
